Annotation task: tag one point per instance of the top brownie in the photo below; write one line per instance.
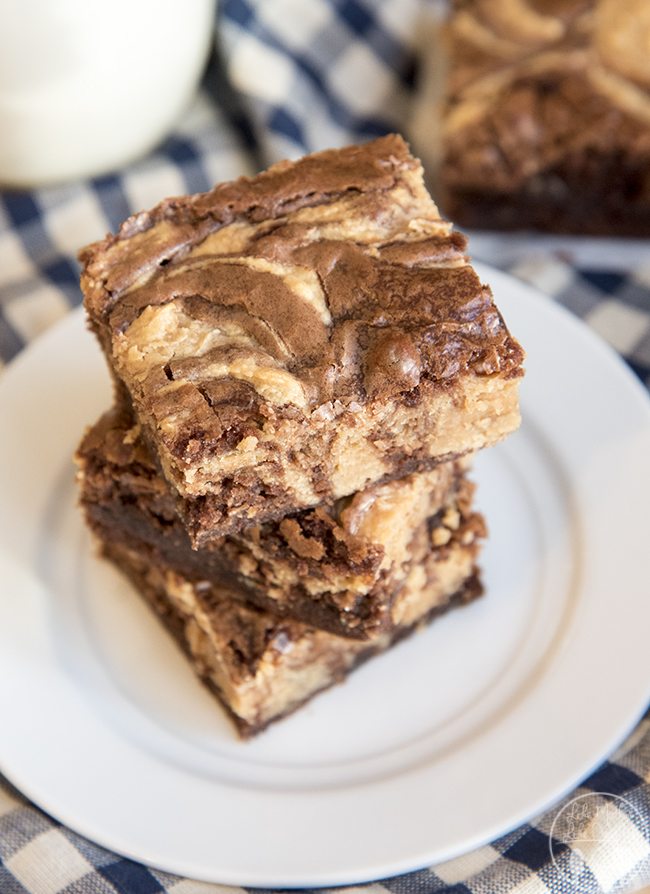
(290, 338)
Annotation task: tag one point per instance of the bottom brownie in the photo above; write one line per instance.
(261, 667)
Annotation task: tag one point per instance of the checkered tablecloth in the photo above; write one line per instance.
(291, 77)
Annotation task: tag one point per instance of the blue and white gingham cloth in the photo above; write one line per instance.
(292, 77)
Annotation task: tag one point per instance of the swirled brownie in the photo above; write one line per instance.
(341, 567)
(289, 339)
(262, 667)
(546, 122)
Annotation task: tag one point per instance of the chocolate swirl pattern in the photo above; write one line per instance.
(546, 100)
(279, 336)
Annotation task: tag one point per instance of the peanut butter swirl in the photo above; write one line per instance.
(333, 279)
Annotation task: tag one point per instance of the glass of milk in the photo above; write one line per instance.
(87, 86)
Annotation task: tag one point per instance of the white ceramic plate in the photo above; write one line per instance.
(456, 736)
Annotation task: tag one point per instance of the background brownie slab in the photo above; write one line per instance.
(261, 667)
(340, 567)
(288, 339)
(547, 118)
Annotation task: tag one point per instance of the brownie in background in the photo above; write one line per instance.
(546, 116)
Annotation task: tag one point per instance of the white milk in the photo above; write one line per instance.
(88, 85)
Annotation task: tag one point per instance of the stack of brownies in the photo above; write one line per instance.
(303, 361)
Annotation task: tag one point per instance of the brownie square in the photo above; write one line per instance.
(546, 119)
(342, 567)
(287, 340)
(259, 666)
